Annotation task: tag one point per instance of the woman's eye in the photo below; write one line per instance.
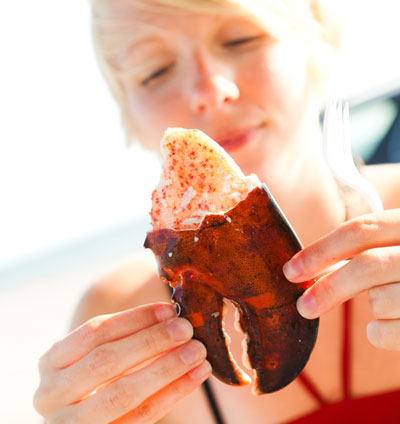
(157, 74)
(237, 42)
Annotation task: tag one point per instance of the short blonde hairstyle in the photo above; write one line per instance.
(317, 22)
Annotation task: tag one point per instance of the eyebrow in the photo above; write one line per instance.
(134, 46)
(140, 42)
(156, 34)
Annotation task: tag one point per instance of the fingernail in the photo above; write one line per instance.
(192, 352)
(165, 312)
(200, 372)
(180, 329)
(292, 269)
(306, 305)
(373, 333)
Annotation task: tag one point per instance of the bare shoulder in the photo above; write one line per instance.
(136, 283)
(386, 178)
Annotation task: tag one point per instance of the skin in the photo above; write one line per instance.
(227, 77)
(371, 242)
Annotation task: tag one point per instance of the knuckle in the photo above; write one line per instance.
(92, 330)
(379, 303)
(46, 404)
(38, 401)
(65, 418)
(62, 419)
(383, 303)
(167, 372)
(327, 293)
(179, 388)
(42, 398)
(379, 261)
(119, 398)
(43, 363)
(100, 361)
(151, 342)
(147, 411)
(362, 229)
(374, 300)
(371, 262)
(46, 360)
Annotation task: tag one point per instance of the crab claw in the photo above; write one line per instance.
(239, 256)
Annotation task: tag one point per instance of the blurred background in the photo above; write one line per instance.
(74, 199)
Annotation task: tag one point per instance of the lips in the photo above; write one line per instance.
(236, 139)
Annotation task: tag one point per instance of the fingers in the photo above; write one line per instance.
(349, 239)
(369, 269)
(100, 330)
(112, 359)
(385, 301)
(156, 407)
(370, 243)
(384, 334)
(129, 392)
(93, 363)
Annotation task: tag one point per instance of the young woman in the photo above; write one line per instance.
(250, 74)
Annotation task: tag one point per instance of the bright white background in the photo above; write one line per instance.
(65, 172)
(66, 175)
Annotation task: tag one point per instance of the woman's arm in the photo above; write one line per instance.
(131, 366)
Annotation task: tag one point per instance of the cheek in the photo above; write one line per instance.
(278, 78)
(153, 112)
(291, 70)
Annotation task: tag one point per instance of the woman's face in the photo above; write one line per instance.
(222, 74)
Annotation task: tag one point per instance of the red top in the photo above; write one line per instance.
(382, 408)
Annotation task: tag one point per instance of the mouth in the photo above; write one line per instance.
(237, 139)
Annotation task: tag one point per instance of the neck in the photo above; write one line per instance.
(316, 200)
(307, 192)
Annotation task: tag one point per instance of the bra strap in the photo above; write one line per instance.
(346, 350)
(212, 402)
(310, 387)
(208, 391)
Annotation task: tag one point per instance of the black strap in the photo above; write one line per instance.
(213, 404)
(209, 393)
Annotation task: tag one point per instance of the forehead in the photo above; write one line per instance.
(122, 20)
(134, 26)
(120, 8)
(157, 17)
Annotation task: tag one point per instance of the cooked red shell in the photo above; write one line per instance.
(239, 256)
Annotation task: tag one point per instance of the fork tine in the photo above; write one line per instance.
(329, 134)
(338, 153)
(340, 131)
(347, 134)
(338, 134)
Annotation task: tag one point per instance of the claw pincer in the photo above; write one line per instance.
(239, 256)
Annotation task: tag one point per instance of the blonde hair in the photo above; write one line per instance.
(317, 22)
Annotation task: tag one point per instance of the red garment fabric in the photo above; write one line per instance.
(378, 409)
(383, 408)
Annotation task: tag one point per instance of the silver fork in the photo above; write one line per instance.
(338, 154)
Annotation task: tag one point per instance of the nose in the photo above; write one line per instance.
(213, 86)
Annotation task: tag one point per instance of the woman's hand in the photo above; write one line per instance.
(129, 367)
(371, 243)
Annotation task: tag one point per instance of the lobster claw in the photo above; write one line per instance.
(239, 256)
